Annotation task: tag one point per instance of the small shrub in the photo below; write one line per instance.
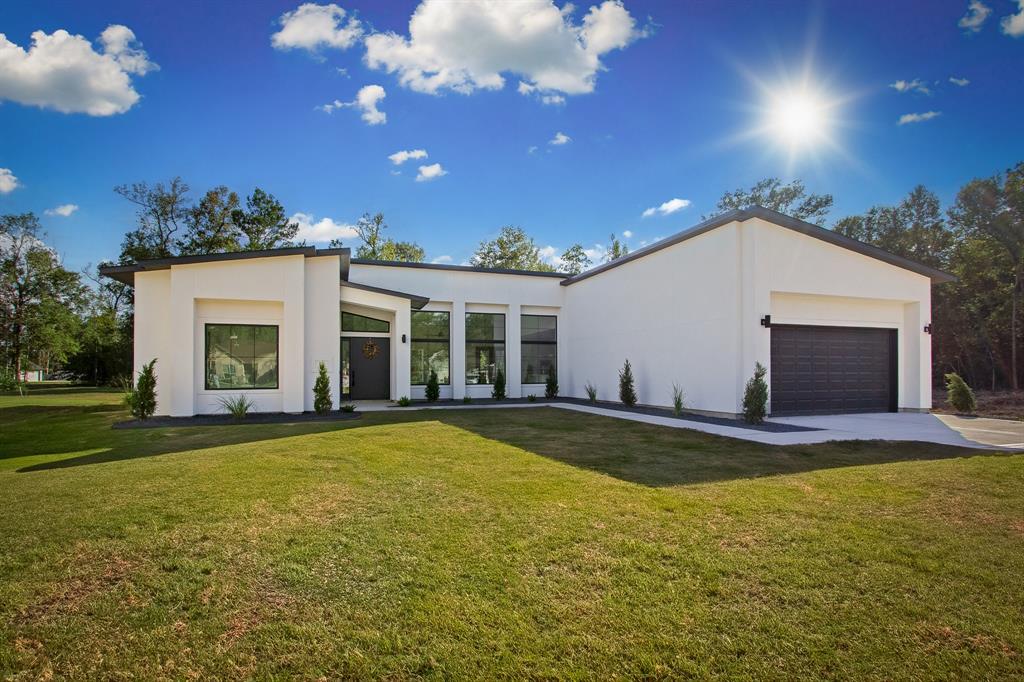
(433, 387)
(591, 390)
(959, 394)
(322, 402)
(551, 386)
(678, 400)
(466, 399)
(531, 398)
(498, 392)
(404, 401)
(9, 381)
(238, 406)
(627, 391)
(347, 407)
(755, 397)
(141, 400)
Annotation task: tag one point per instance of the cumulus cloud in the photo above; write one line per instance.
(916, 85)
(398, 158)
(1013, 24)
(559, 139)
(627, 233)
(323, 230)
(64, 210)
(918, 118)
(959, 81)
(532, 149)
(442, 260)
(667, 208)
(366, 101)
(8, 181)
(977, 14)
(466, 46)
(311, 27)
(431, 172)
(64, 72)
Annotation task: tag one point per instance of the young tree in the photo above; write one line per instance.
(616, 249)
(210, 228)
(512, 249)
(322, 402)
(551, 385)
(627, 391)
(755, 396)
(263, 223)
(370, 230)
(575, 260)
(433, 390)
(142, 398)
(959, 394)
(791, 199)
(498, 391)
(162, 210)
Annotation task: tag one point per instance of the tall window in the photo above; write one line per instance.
(241, 356)
(350, 322)
(430, 341)
(539, 347)
(485, 347)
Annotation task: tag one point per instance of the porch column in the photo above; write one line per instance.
(457, 351)
(513, 356)
(403, 355)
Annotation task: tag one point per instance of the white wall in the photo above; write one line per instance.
(153, 333)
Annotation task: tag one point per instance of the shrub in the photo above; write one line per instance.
(531, 398)
(347, 407)
(678, 400)
(404, 401)
(591, 390)
(238, 406)
(498, 392)
(959, 394)
(322, 402)
(551, 386)
(627, 391)
(433, 387)
(466, 399)
(755, 396)
(9, 380)
(141, 399)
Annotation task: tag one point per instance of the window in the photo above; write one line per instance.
(241, 356)
(350, 322)
(485, 347)
(429, 347)
(539, 347)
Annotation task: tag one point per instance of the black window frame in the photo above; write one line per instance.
(386, 324)
(206, 357)
(492, 342)
(447, 341)
(523, 344)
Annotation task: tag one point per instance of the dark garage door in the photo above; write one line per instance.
(830, 370)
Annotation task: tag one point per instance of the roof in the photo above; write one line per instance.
(126, 273)
(776, 218)
(415, 300)
(459, 268)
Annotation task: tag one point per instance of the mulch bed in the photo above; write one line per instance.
(228, 420)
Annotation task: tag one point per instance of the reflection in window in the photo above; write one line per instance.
(241, 356)
(350, 322)
(429, 347)
(539, 347)
(485, 347)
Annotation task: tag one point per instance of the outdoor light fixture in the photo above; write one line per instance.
(766, 321)
(928, 328)
(403, 338)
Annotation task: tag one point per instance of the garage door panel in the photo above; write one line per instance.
(818, 370)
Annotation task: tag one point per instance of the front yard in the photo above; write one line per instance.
(496, 543)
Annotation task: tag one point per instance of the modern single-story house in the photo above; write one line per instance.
(841, 326)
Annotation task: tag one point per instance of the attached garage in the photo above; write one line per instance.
(832, 370)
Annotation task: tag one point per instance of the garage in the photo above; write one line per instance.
(832, 370)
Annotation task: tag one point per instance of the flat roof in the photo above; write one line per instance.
(126, 273)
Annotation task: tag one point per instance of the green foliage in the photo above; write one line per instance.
(238, 406)
(142, 398)
(791, 199)
(263, 224)
(551, 384)
(9, 381)
(210, 226)
(512, 249)
(376, 246)
(347, 407)
(467, 399)
(627, 391)
(755, 396)
(322, 402)
(498, 392)
(531, 398)
(161, 213)
(678, 400)
(959, 394)
(433, 389)
(404, 401)
(575, 260)
(591, 392)
(616, 249)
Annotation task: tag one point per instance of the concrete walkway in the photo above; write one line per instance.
(1004, 433)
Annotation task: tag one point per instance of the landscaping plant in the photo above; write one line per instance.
(551, 386)
(404, 401)
(531, 398)
(591, 390)
(627, 391)
(141, 399)
(498, 392)
(959, 394)
(322, 402)
(433, 387)
(755, 396)
(466, 399)
(238, 406)
(347, 407)
(678, 400)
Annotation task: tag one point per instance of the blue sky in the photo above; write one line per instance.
(659, 101)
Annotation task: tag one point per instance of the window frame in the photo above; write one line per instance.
(503, 342)
(386, 323)
(447, 341)
(277, 356)
(523, 344)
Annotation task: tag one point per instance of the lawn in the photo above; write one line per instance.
(496, 543)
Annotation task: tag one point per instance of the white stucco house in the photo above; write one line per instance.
(841, 326)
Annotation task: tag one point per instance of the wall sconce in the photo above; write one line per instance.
(403, 338)
(928, 328)
(766, 321)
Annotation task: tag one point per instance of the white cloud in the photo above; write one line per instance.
(627, 233)
(959, 81)
(559, 139)
(398, 158)
(310, 27)
(8, 181)
(916, 85)
(918, 118)
(63, 72)
(669, 207)
(64, 210)
(366, 100)
(466, 46)
(977, 13)
(431, 172)
(1013, 24)
(442, 260)
(532, 149)
(556, 100)
(323, 230)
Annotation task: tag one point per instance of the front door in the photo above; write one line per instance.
(369, 367)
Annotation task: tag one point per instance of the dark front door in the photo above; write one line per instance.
(369, 367)
(832, 370)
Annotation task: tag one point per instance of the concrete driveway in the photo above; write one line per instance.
(1005, 433)
(930, 428)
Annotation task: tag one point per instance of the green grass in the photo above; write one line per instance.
(495, 543)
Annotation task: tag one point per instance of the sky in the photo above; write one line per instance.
(455, 119)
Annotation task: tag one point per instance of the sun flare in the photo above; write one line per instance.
(798, 118)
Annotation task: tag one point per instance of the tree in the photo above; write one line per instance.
(141, 398)
(370, 230)
(322, 402)
(575, 260)
(161, 212)
(616, 249)
(755, 396)
(627, 391)
(406, 252)
(791, 199)
(959, 394)
(263, 224)
(210, 224)
(433, 390)
(512, 249)
(551, 385)
(498, 391)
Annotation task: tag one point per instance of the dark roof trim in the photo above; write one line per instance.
(739, 215)
(458, 268)
(126, 273)
(415, 301)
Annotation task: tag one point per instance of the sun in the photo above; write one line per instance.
(798, 119)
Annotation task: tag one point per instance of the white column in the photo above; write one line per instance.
(180, 369)
(457, 351)
(513, 356)
(291, 370)
(403, 326)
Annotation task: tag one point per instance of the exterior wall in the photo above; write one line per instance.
(322, 325)
(153, 333)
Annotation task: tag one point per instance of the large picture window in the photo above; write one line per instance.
(241, 356)
(485, 347)
(539, 347)
(430, 347)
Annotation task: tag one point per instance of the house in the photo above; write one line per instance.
(841, 326)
